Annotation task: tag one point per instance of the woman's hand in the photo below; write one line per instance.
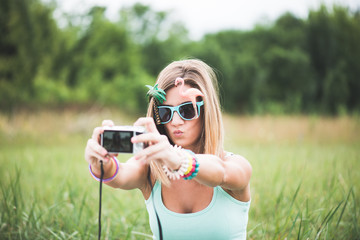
(94, 152)
(159, 148)
(131, 174)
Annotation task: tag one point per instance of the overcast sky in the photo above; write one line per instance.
(205, 16)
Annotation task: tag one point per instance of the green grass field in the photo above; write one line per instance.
(305, 183)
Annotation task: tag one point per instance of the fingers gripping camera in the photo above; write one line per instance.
(117, 139)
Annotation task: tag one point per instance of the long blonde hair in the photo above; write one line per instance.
(199, 75)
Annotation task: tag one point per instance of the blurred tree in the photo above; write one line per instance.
(158, 37)
(333, 43)
(28, 34)
(211, 50)
(290, 31)
(105, 62)
(289, 77)
(300, 65)
(257, 66)
(164, 51)
(143, 23)
(292, 65)
(336, 88)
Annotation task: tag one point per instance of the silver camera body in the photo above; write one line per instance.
(117, 139)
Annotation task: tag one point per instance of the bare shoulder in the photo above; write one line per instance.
(238, 159)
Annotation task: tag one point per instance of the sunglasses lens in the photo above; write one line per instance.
(164, 114)
(187, 111)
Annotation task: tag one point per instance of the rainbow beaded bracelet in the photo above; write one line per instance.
(195, 167)
(189, 166)
(184, 165)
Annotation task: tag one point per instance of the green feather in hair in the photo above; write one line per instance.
(157, 93)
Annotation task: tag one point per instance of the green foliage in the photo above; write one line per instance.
(28, 35)
(159, 40)
(290, 66)
(334, 50)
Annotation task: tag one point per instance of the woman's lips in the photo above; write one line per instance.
(178, 133)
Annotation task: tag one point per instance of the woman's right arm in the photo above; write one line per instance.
(131, 174)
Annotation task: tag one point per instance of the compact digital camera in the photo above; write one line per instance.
(117, 139)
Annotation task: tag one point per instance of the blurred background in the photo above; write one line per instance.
(289, 80)
(268, 58)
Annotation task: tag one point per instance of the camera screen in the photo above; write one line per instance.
(118, 141)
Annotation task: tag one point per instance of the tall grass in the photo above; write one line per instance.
(47, 194)
(305, 182)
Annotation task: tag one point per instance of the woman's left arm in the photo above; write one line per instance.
(232, 173)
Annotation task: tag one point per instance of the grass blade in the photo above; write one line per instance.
(343, 209)
(295, 195)
(292, 227)
(327, 219)
(356, 226)
(299, 232)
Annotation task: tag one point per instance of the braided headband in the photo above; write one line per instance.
(159, 96)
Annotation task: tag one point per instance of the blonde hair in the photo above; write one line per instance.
(198, 75)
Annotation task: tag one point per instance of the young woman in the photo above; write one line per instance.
(193, 188)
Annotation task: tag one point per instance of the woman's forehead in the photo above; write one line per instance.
(174, 97)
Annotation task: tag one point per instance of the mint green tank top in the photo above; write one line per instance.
(224, 218)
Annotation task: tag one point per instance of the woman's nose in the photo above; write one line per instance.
(177, 119)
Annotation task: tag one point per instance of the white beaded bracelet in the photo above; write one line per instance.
(177, 174)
